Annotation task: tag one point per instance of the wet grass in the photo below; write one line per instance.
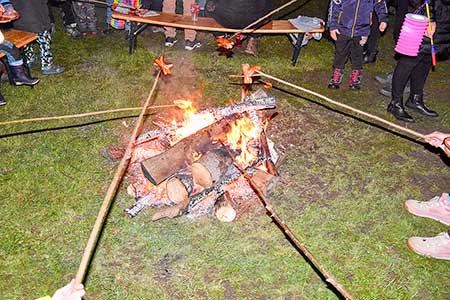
(342, 186)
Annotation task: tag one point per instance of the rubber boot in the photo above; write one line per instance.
(416, 102)
(20, 76)
(370, 57)
(396, 108)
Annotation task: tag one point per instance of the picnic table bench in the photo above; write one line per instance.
(139, 24)
(20, 39)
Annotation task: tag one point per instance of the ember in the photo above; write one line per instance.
(187, 167)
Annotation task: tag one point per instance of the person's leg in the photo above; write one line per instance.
(418, 78)
(169, 6)
(15, 62)
(48, 68)
(356, 55)
(12, 53)
(342, 52)
(189, 35)
(91, 18)
(371, 52)
(80, 14)
(402, 73)
(67, 13)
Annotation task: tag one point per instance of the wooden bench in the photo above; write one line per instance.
(138, 24)
(20, 39)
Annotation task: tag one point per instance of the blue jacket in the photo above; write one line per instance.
(6, 3)
(354, 17)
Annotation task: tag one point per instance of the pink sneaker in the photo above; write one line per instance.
(437, 208)
(437, 247)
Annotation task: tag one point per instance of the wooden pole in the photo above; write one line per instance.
(112, 190)
(286, 230)
(264, 17)
(76, 116)
(368, 115)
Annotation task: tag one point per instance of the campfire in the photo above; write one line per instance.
(194, 166)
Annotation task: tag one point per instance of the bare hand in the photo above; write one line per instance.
(429, 32)
(334, 33)
(70, 292)
(436, 138)
(383, 26)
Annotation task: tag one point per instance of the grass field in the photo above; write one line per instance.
(341, 190)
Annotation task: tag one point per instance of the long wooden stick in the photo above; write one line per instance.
(286, 230)
(82, 114)
(264, 17)
(368, 115)
(112, 190)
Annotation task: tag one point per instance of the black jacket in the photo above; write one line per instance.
(441, 14)
(34, 15)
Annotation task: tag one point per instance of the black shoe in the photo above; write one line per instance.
(416, 102)
(370, 57)
(397, 110)
(20, 76)
(2, 100)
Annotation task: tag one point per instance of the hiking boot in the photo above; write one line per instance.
(170, 41)
(436, 247)
(370, 57)
(72, 31)
(438, 208)
(21, 77)
(191, 45)
(384, 79)
(396, 108)
(252, 46)
(336, 79)
(2, 100)
(416, 102)
(355, 80)
(52, 70)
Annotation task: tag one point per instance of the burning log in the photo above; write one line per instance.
(179, 188)
(158, 168)
(225, 211)
(257, 103)
(210, 168)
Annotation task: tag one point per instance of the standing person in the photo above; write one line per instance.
(437, 209)
(34, 17)
(349, 23)
(67, 15)
(190, 41)
(416, 68)
(86, 17)
(239, 14)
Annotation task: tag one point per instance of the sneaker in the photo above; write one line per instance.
(437, 247)
(384, 79)
(191, 45)
(355, 80)
(2, 100)
(52, 70)
(437, 208)
(170, 41)
(336, 79)
(72, 31)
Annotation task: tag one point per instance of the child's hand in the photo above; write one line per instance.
(70, 292)
(334, 33)
(383, 26)
(429, 33)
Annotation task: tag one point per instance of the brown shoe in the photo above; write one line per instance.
(252, 46)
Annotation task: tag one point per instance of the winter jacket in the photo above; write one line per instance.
(354, 17)
(34, 15)
(440, 10)
(6, 3)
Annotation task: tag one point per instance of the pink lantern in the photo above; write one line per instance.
(411, 35)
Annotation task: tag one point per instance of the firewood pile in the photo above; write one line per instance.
(188, 167)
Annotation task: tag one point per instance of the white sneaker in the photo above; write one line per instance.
(436, 247)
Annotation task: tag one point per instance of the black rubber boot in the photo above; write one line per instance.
(20, 76)
(2, 100)
(416, 102)
(370, 57)
(396, 108)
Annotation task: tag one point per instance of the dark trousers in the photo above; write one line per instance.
(400, 11)
(374, 36)
(348, 47)
(66, 11)
(411, 68)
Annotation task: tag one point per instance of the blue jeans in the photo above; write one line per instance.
(12, 53)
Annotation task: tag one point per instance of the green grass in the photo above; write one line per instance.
(342, 185)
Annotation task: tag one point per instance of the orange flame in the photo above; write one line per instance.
(241, 135)
(193, 121)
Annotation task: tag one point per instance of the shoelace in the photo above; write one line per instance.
(336, 75)
(355, 75)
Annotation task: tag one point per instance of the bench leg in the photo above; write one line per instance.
(297, 47)
(132, 43)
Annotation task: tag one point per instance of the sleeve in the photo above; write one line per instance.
(333, 13)
(381, 10)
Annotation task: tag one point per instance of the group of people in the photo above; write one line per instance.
(353, 23)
